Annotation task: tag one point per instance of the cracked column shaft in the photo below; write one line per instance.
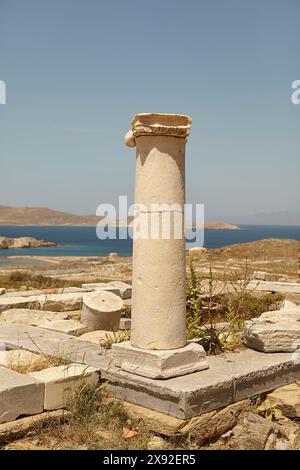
(159, 263)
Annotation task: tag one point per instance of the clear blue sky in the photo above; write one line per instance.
(77, 71)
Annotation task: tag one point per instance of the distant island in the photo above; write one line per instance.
(217, 226)
(41, 217)
(23, 242)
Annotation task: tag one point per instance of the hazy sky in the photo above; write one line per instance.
(77, 71)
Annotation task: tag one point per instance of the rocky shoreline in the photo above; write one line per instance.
(24, 242)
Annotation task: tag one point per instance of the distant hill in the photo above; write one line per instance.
(39, 216)
(42, 216)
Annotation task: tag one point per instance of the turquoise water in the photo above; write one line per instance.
(82, 241)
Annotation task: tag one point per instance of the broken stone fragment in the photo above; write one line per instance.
(20, 395)
(277, 331)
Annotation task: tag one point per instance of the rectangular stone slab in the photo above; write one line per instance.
(268, 286)
(20, 395)
(47, 342)
(231, 377)
(55, 302)
(61, 382)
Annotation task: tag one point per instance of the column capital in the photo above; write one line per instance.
(155, 124)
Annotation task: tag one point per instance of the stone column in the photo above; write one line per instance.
(158, 346)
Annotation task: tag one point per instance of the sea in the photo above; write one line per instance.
(83, 241)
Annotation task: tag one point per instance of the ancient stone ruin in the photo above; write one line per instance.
(158, 347)
(132, 338)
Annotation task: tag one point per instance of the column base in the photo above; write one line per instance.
(159, 364)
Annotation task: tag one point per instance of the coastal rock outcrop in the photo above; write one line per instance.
(24, 242)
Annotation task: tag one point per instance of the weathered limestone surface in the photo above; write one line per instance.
(30, 317)
(288, 304)
(61, 382)
(55, 302)
(51, 343)
(103, 286)
(125, 289)
(24, 293)
(62, 302)
(7, 302)
(37, 293)
(268, 286)
(158, 347)
(161, 364)
(287, 399)
(231, 377)
(20, 395)
(101, 311)
(158, 295)
(116, 287)
(95, 337)
(70, 327)
(275, 331)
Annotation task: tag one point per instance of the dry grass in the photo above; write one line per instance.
(93, 421)
(24, 279)
(35, 365)
(114, 337)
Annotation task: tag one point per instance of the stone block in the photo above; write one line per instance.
(159, 364)
(70, 327)
(101, 311)
(103, 286)
(2, 291)
(61, 382)
(24, 293)
(26, 316)
(61, 302)
(231, 377)
(7, 302)
(268, 286)
(20, 395)
(125, 324)
(125, 289)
